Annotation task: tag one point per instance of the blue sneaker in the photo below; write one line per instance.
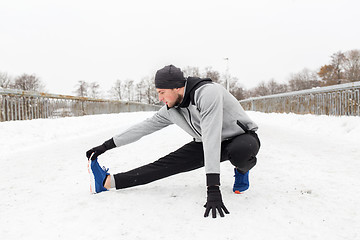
(241, 182)
(97, 176)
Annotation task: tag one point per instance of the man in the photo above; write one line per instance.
(211, 115)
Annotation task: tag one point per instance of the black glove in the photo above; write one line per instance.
(109, 144)
(214, 199)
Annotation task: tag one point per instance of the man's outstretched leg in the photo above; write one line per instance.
(187, 158)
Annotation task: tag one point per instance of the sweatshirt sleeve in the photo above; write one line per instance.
(209, 100)
(158, 121)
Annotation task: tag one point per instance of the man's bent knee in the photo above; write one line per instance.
(242, 152)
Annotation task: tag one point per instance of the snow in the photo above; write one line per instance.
(305, 186)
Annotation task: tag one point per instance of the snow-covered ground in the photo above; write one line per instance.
(306, 184)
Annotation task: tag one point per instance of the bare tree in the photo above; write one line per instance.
(28, 82)
(140, 91)
(117, 90)
(352, 65)
(5, 80)
(129, 89)
(236, 90)
(212, 74)
(191, 72)
(82, 89)
(150, 91)
(275, 88)
(337, 61)
(94, 90)
(143, 91)
(260, 90)
(305, 79)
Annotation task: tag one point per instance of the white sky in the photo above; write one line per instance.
(65, 41)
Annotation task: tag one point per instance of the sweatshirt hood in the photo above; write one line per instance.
(192, 83)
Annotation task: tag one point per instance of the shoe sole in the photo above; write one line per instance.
(92, 178)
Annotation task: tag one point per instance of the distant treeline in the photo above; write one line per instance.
(343, 67)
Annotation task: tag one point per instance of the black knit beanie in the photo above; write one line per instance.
(169, 77)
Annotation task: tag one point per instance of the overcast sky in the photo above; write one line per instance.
(65, 41)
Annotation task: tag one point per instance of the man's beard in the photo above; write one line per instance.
(178, 101)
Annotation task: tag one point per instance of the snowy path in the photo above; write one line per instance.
(305, 186)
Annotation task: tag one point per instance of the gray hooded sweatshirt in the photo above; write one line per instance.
(211, 119)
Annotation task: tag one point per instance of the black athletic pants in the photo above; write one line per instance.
(240, 150)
